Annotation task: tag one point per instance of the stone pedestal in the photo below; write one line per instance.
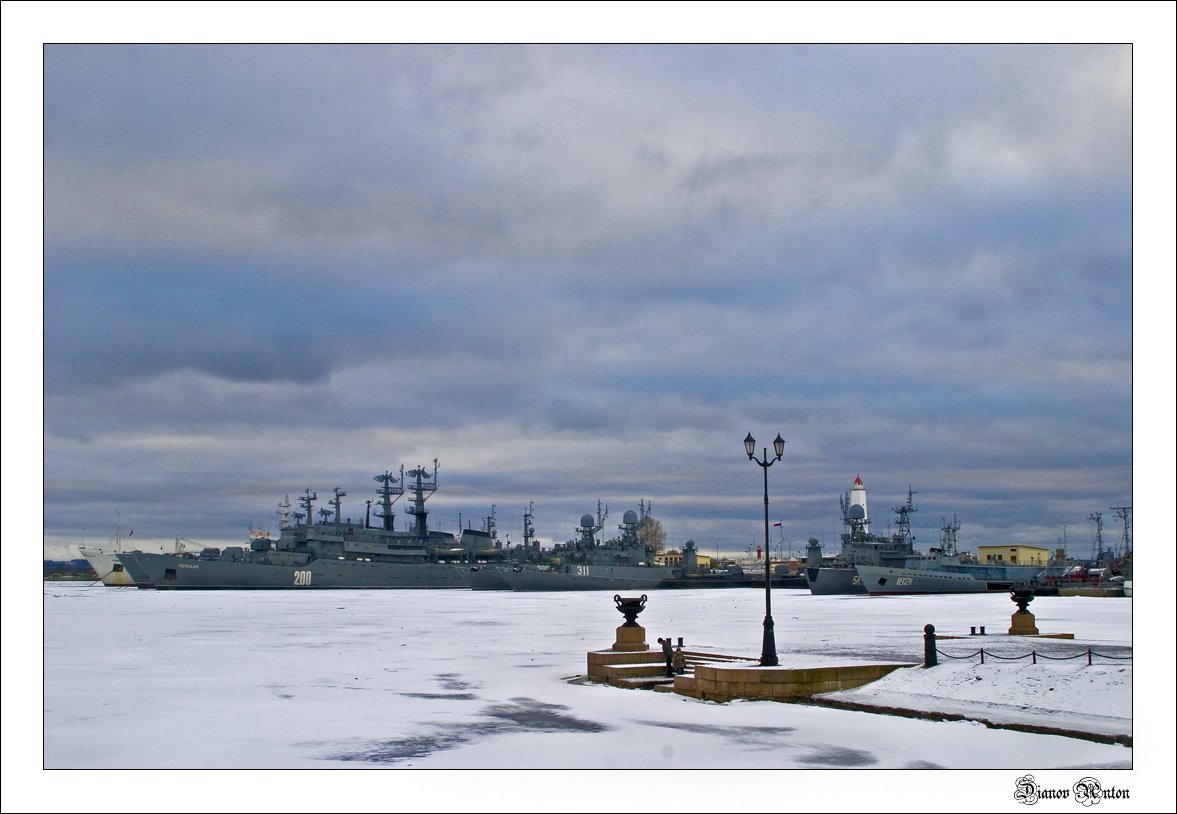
(631, 638)
(1021, 623)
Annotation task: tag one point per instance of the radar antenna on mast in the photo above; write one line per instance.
(1097, 518)
(1122, 513)
(388, 495)
(424, 483)
(905, 512)
(589, 527)
(948, 534)
(284, 513)
(307, 502)
(528, 528)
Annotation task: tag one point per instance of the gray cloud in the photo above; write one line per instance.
(584, 272)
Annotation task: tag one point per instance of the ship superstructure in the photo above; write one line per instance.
(335, 552)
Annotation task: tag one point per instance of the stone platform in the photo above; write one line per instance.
(718, 677)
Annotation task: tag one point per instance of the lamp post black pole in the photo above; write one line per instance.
(768, 657)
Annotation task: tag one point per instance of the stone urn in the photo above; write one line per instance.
(1022, 621)
(630, 607)
(1022, 595)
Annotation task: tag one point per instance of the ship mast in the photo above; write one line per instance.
(423, 485)
(1122, 513)
(284, 513)
(528, 528)
(948, 535)
(904, 522)
(490, 522)
(388, 495)
(588, 529)
(629, 528)
(338, 503)
(1097, 518)
(307, 502)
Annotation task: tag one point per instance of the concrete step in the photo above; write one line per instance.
(647, 670)
(632, 675)
(684, 684)
(715, 658)
(663, 683)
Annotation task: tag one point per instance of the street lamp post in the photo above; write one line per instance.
(768, 656)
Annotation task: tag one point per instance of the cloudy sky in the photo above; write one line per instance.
(582, 273)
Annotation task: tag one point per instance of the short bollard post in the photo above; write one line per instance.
(929, 645)
(972, 630)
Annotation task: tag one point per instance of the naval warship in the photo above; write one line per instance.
(584, 564)
(623, 563)
(946, 570)
(331, 553)
(878, 565)
(859, 546)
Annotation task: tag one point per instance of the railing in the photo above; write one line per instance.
(931, 652)
(1034, 655)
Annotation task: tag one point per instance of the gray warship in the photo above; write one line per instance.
(584, 564)
(946, 570)
(859, 546)
(876, 565)
(623, 563)
(332, 553)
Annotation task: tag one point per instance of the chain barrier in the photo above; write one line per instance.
(931, 651)
(1034, 655)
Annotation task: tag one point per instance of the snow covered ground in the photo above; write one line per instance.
(1095, 699)
(484, 682)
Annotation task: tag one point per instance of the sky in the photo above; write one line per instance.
(429, 683)
(574, 274)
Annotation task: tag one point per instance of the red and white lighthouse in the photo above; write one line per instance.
(858, 498)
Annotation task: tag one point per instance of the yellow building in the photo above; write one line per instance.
(671, 558)
(674, 559)
(1013, 555)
